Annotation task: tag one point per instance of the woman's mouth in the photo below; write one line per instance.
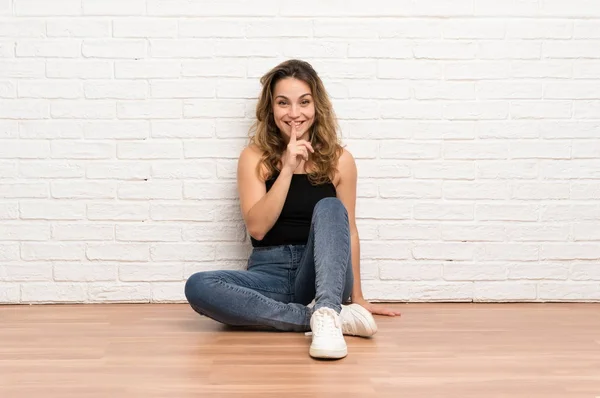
(297, 124)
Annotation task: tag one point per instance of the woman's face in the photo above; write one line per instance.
(293, 103)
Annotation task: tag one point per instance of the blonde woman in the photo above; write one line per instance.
(297, 189)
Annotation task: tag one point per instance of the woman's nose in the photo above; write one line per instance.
(294, 111)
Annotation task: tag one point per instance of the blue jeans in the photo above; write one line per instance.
(280, 281)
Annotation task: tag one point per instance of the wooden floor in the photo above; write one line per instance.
(433, 350)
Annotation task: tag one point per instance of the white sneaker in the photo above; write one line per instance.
(327, 338)
(357, 321)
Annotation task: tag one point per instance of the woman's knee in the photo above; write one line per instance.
(197, 288)
(330, 206)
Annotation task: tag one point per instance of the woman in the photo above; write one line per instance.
(297, 189)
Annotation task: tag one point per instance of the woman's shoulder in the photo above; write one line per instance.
(346, 166)
(250, 159)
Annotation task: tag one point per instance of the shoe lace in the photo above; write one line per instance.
(326, 322)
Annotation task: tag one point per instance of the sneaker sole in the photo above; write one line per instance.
(324, 353)
(367, 319)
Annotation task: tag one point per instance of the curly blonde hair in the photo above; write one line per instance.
(265, 134)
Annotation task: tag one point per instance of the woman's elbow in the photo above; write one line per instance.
(256, 233)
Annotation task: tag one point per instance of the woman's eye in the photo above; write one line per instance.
(281, 103)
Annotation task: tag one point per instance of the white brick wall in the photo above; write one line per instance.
(475, 124)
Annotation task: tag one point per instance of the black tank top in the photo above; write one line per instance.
(293, 225)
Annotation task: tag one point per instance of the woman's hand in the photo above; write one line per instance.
(376, 309)
(296, 151)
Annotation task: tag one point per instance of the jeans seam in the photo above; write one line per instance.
(258, 295)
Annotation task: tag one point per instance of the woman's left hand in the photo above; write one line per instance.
(376, 309)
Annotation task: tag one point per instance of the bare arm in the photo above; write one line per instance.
(260, 208)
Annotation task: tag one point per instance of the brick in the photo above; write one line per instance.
(540, 109)
(151, 109)
(79, 69)
(77, 27)
(209, 190)
(148, 233)
(52, 292)
(24, 190)
(540, 190)
(153, 149)
(184, 170)
(118, 211)
(114, 7)
(121, 89)
(411, 190)
(75, 109)
(490, 110)
(474, 272)
(389, 209)
(118, 251)
(51, 169)
(22, 68)
(18, 28)
(539, 149)
(457, 28)
(532, 271)
(182, 252)
(182, 48)
(55, 129)
(202, 27)
(44, 8)
(213, 108)
(86, 232)
(182, 128)
(507, 169)
(185, 88)
(116, 130)
(147, 69)
(51, 210)
(503, 90)
(403, 110)
(24, 109)
(188, 8)
(144, 272)
(475, 190)
(392, 69)
(504, 291)
(224, 232)
(83, 190)
(144, 27)
(561, 291)
(443, 211)
(410, 271)
(24, 149)
(25, 231)
(150, 190)
(119, 293)
(48, 48)
(9, 210)
(50, 90)
(475, 150)
(536, 233)
(52, 251)
(443, 251)
(82, 150)
(214, 148)
(118, 170)
(85, 272)
(494, 251)
(404, 231)
(381, 49)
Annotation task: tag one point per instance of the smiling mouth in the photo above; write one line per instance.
(298, 124)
